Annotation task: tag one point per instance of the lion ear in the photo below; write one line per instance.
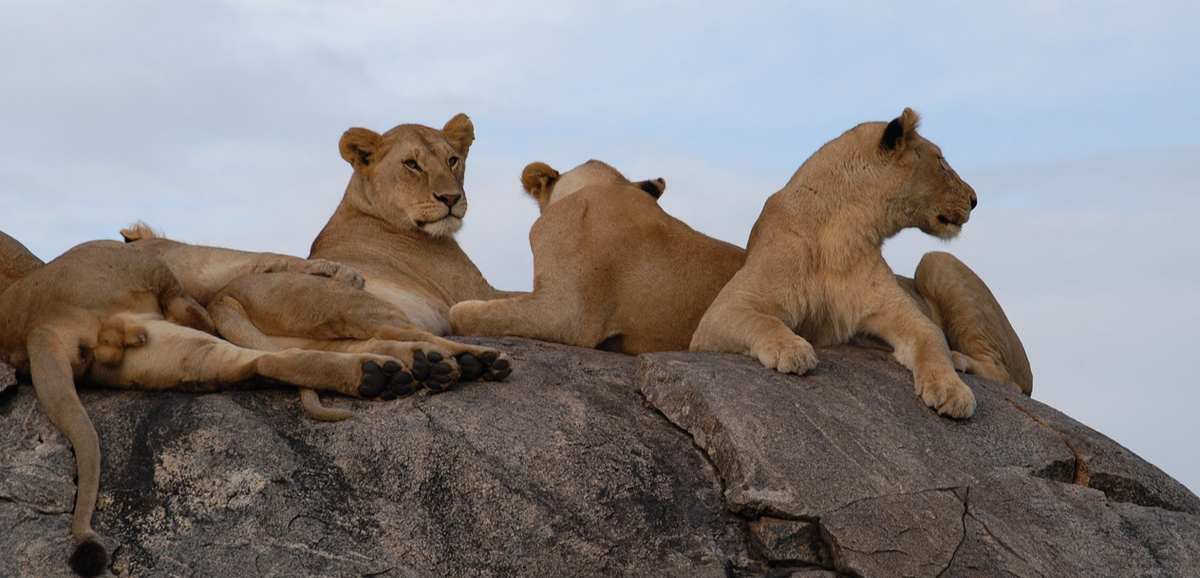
(654, 188)
(899, 132)
(460, 133)
(360, 147)
(538, 180)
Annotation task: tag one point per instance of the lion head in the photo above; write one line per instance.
(411, 174)
(938, 201)
(547, 186)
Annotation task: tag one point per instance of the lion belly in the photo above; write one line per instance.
(418, 309)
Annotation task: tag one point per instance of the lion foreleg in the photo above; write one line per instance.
(54, 382)
(919, 345)
(559, 318)
(740, 323)
(973, 321)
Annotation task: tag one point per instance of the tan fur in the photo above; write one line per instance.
(611, 268)
(15, 261)
(395, 225)
(113, 314)
(815, 274)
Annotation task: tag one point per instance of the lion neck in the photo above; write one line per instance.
(846, 210)
(399, 253)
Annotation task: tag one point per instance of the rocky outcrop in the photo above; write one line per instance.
(585, 463)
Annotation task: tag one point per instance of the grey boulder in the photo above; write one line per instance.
(585, 463)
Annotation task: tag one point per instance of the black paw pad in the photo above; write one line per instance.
(471, 367)
(498, 374)
(402, 384)
(489, 357)
(421, 366)
(373, 380)
(439, 383)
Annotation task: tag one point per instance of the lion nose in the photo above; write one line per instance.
(974, 201)
(449, 200)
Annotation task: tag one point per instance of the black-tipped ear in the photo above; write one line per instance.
(893, 135)
(654, 188)
(360, 147)
(899, 130)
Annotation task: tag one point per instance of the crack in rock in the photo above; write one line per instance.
(1080, 473)
(966, 502)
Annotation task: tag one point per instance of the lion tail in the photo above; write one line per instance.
(140, 230)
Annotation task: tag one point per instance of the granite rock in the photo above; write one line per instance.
(586, 463)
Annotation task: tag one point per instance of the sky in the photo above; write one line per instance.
(1075, 121)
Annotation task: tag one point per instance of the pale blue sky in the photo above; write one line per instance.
(1076, 122)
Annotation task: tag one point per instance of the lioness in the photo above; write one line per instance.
(110, 314)
(815, 273)
(395, 225)
(611, 268)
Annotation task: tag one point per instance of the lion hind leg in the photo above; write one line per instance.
(973, 321)
(234, 325)
(53, 381)
(177, 355)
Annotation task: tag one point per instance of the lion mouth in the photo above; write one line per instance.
(943, 219)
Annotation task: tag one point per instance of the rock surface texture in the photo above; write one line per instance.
(585, 463)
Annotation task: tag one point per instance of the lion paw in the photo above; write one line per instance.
(388, 381)
(336, 271)
(948, 395)
(790, 356)
(435, 371)
(486, 366)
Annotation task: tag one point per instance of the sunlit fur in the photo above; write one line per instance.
(395, 226)
(115, 314)
(611, 268)
(815, 273)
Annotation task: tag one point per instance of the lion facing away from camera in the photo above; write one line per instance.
(611, 268)
(815, 272)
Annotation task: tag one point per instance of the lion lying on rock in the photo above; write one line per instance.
(611, 268)
(110, 314)
(395, 225)
(815, 274)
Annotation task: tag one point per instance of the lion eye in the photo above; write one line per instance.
(412, 164)
(453, 161)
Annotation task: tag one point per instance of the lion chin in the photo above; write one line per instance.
(442, 228)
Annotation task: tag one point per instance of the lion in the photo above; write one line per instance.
(815, 273)
(612, 270)
(395, 225)
(110, 314)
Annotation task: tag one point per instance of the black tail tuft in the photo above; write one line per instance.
(90, 559)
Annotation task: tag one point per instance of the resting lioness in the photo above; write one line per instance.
(611, 268)
(395, 225)
(109, 314)
(815, 274)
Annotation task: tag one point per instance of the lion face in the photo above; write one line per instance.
(940, 202)
(945, 198)
(412, 175)
(548, 186)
